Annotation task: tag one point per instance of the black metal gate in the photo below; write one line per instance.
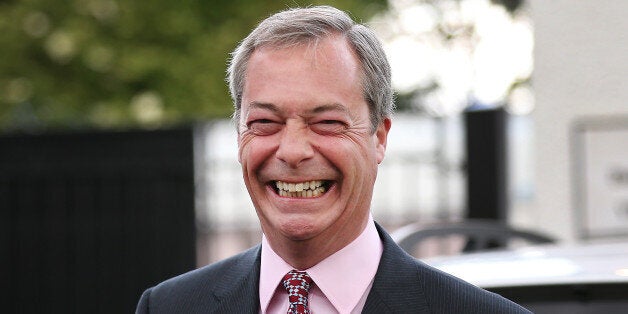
(89, 220)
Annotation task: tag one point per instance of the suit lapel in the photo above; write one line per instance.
(238, 289)
(396, 287)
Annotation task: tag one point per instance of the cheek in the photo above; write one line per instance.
(354, 157)
(361, 150)
(242, 145)
(254, 151)
(245, 150)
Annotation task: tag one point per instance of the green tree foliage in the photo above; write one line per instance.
(125, 63)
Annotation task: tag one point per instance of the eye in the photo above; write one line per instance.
(264, 126)
(328, 126)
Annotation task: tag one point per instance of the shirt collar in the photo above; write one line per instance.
(358, 261)
(272, 270)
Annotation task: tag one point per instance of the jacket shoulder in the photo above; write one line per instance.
(403, 284)
(448, 294)
(203, 287)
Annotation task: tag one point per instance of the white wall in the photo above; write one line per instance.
(581, 71)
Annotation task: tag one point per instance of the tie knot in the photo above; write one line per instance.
(299, 279)
(297, 283)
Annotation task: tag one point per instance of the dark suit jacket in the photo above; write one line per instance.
(402, 285)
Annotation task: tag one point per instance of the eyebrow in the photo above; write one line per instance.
(330, 107)
(318, 109)
(264, 105)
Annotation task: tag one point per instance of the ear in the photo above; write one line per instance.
(381, 138)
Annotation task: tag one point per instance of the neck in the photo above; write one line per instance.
(304, 254)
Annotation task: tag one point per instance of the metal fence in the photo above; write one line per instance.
(89, 220)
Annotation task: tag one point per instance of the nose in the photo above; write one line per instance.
(294, 146)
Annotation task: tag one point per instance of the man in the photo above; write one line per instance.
(313, 101)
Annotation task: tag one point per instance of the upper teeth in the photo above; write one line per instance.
(301, 189)
(298, 187)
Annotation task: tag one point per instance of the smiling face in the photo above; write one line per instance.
(308, 152)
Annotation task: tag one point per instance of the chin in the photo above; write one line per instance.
(297, 230)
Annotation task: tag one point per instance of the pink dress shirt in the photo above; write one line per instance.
(330, 293)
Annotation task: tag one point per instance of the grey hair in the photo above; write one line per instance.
(306, 25)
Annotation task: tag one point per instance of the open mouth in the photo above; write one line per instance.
(305, 189)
